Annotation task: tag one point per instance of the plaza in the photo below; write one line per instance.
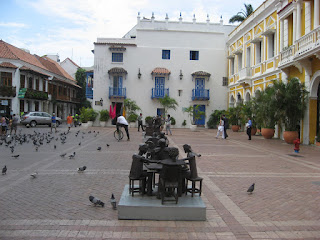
(55, 205)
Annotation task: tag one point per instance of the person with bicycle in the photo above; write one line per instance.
(122, 122)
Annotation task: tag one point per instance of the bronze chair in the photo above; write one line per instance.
(194, 178)
(170, 178)
(137, 174)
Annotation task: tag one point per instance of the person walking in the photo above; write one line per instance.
(168, 124)
(14, 124)
(225, 125)
(69, 121)
(220, 129)
(249, 126)
(140, 123)
(3, 126)
(122, 122)
(54, 122)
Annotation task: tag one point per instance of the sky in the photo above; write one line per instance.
(70, 27)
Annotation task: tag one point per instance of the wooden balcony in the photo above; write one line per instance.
(7, 91)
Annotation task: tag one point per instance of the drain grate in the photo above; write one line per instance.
(316, 183)
(294, 155)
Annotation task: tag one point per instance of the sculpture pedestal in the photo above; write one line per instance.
(150, 208)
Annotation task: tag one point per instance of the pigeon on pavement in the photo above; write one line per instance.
(99, 148)
(108, 145)
(63, 155)
(81, 169)
(4, 170)
(113, 202)
(250, 189)
(72, 155)
(34, 175)
(96, 201)
(15, 156)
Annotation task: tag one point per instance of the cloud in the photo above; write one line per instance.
(13, 25)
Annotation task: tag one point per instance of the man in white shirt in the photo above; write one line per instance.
(122, 122)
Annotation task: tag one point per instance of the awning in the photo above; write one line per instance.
(117, 70)
(7, 65)
(160, 71)
(117, 48)
(201, 73)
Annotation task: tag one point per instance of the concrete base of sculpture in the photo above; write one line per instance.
(150, 208)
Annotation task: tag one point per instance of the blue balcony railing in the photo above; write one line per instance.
(117, 92)
(200, 94)
(89, 92)
(159, 93)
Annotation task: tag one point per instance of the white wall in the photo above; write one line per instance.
(147, 55)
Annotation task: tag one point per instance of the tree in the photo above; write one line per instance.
(81, 93)
(131, 106)
(194, 113)
(240, 16)
(167, 103)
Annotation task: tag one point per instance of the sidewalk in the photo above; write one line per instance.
(284, 205)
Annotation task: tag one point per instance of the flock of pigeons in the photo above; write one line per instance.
(39, 140)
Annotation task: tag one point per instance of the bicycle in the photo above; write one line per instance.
(118, 134)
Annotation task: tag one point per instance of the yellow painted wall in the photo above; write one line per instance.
(294, 72)
(271, 77)
(258, 81)
(290, 28)
(256, 70)
(270, 65)
(312, 119)
(315, 65)
(303, 18)
(312, 14)
(259, 86)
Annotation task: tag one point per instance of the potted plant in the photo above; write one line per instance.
(104, 117)
(167, 102)
(84, 117)
(184, 123)
(194, 114)
(266, 111)
(132, 119)
(92, 116)
(173, 122)
(292, 103)
(233, 114)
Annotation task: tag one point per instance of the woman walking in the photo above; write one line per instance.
(221, 128)
(168, 125)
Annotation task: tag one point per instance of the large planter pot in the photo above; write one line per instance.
(90, 123)
(253, 131)
(102, 123)
(193, 128)
(290, 136)
(267, 133)
(85, 125)
(132, 124)
(318, 144)
(235, 128)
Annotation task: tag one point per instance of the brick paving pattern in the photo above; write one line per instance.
(55, 205)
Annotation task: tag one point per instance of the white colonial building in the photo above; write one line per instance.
(186, 60)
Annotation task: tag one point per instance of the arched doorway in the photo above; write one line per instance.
(314, 108)
(247, 97)
(231, 103)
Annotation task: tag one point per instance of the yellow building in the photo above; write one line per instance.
(279, 40)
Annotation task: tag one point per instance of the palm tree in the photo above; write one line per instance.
(243, 14)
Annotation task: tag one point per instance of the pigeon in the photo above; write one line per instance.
(34, 175)
(81, 169)
(96, 201)
(79, 143)
(72, 155)
(113, 202)
(15, 156)
(55, 147)
(4, 170)
(37, 149)
(250, 189)
(63, 155)
(108, 145)
(99, 148)
(12, 149)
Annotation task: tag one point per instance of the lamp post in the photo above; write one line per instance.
(181, 75)
(101, 102)
(139, 74)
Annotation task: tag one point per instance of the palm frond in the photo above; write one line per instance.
(236, 18)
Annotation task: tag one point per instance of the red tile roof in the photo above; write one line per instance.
(11, 52)
(54, 67)
(117, 70)
(7, 65)
(160, 71)
(201, 73)
(24, 68)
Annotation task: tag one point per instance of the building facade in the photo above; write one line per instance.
(184, 60)
(33, 83)
(280, 40)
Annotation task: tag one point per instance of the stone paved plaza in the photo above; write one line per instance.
(55, 205)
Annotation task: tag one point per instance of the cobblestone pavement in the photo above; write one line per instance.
(55, 205)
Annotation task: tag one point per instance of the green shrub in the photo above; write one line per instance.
(87, 114)
(148, 118)
(104, 115)
(92, 114)
(214, 118)
(173, 121)
(133, 117)
(184, 123)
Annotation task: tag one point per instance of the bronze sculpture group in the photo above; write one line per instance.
(158, 170)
